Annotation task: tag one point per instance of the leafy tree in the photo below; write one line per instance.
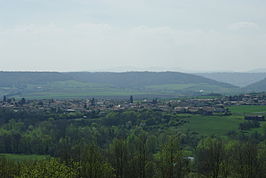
(210, 157)
(8, 168)
(171, 162)
(244, 160)
(118, 151)
(47, 169)
(92, 164)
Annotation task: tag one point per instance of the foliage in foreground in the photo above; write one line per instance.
(129, 144)
(215, 158)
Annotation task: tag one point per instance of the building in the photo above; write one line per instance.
(255, 118)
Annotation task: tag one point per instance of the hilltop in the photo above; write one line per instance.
(235, 78)
(259, 86)
(81, 84)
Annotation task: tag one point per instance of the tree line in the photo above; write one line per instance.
(128, 144)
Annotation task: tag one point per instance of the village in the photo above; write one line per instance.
(204, 106)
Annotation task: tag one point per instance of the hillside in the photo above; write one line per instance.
(259, 86)
(237, 79)
(142, 79)
(86, 84)
(20, 79)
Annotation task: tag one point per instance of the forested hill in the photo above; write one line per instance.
(141, 79)
(235, 78)
(8, 79)
(81, 84)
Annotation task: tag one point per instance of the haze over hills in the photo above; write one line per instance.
(259, 86)
(259, 70)
(85, 84)
(142, 79)
(17, 79)
(235, 78)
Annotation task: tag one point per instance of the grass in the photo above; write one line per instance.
(170, 86)
(248, 109)
(77, 94)
(212, 125)
(221, 125)
(22, 157)
(207, 88)
(74, 89)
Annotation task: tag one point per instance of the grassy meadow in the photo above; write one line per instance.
(76, 89)
(212, 125)
(221, 125)
(248, 109)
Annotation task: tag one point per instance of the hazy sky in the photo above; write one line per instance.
(95, 35)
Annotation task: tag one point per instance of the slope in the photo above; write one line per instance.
(86, 84)
(237, 79)
(259, 86)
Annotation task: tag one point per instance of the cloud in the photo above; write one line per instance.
(244, 26)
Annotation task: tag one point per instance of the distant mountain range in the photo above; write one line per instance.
(123, 84)
(86, 84)
(142, 79)
(260, 70)
(20, 79)
(259, 86)
(237, 79)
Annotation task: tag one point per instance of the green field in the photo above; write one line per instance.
(22, 157)
(212, 125)
(170, 86)
(191, 87)
(66, 94)
(248, 109)
(74, 89)
(221, 125)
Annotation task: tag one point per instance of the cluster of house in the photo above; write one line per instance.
(204, 106)
(246, 99)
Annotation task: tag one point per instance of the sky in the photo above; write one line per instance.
(126, 35)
